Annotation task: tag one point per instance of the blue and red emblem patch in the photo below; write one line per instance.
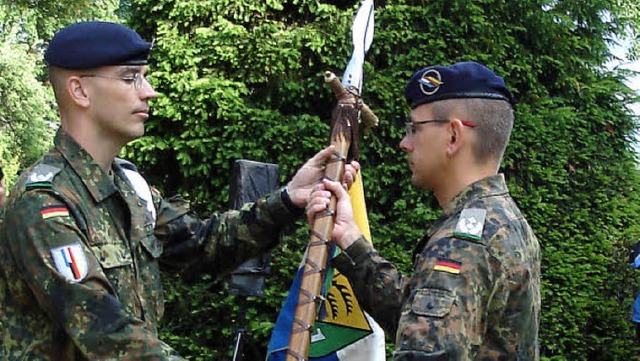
(70, 261)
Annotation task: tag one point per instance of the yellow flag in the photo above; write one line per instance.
(359, 207)
(342, 327)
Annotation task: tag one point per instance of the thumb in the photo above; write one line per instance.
(336, 188)
(322, 156)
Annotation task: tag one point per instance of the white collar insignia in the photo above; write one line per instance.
(471, 223)
(35, 177)
(43, 173)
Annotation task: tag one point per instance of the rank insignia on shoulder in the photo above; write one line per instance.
(54, 211)
(471, 223)
(447, 265)
(71, 262)
(42, 176)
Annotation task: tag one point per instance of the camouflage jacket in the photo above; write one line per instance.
(80, 256)
(475, 289)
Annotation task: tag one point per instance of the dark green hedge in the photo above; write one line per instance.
(243, 79)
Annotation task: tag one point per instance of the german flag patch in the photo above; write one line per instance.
(54, 211)
(446, 265)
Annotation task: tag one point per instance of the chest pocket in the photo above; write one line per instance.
(112, 255)
(430, 302)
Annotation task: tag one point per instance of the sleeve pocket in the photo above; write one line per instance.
(432, 302)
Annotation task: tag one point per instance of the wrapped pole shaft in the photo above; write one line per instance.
(343, 137)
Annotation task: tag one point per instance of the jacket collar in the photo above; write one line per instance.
(98, 183)
(486, 187)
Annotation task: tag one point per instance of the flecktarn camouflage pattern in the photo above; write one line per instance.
(80, 255)
(475, 289)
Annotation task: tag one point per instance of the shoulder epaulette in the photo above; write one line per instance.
(471, 223)
(41, 176)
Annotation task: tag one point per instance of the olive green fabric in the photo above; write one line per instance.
(475, 289)
(106, 302)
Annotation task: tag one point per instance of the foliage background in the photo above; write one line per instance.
(243, 79)
(28, 115)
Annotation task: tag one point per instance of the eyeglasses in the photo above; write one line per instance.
(136, 79)
(411, 127)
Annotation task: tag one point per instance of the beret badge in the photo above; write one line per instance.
(462, 80)
(430, 82)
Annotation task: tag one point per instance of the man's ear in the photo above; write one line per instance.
(77, 91)
(456, 136)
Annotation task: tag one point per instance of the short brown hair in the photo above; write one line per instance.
(494, 119)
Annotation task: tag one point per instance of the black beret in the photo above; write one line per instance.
(93, 44)
(460, 80)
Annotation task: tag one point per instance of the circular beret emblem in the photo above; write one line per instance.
(430, 82)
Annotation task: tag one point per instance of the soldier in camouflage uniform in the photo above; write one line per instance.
(85, 236)
(475, 289)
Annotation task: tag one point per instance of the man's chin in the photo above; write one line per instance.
(418, 183)
(135, 135)
(139, 132)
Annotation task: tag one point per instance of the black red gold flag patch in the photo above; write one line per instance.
(449, 266)
(54, 211)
